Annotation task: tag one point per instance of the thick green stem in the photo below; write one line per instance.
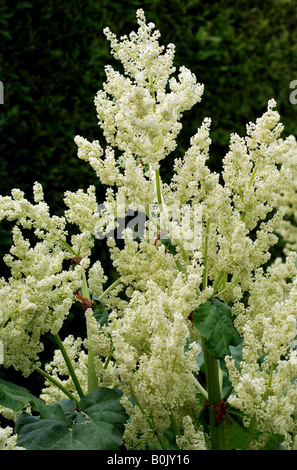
(218, 282)
(92, 377)
(268, 389)
(56, 383)
(69, 365)
(232, 283)
(205, 271)
(158, 188)
(110, 288)
(159, 198)
(174, 425)
(68, 247)
(214, 396)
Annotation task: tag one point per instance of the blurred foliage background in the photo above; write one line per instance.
(52, 58)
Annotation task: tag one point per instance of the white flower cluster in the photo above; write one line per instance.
(264, 386)
(149, 329)
(288, 199)
(136, 113)
(8, 439)
(148, 347)
(258, 167)
(38, 295)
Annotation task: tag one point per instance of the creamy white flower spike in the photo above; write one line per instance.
(140, 111)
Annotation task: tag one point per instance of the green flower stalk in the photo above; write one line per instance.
(69, 365)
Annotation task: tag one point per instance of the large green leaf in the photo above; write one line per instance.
(15, 397)
(240, 437)
(100, 312)
(168, 244)
(213, 321)
(98, 424)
